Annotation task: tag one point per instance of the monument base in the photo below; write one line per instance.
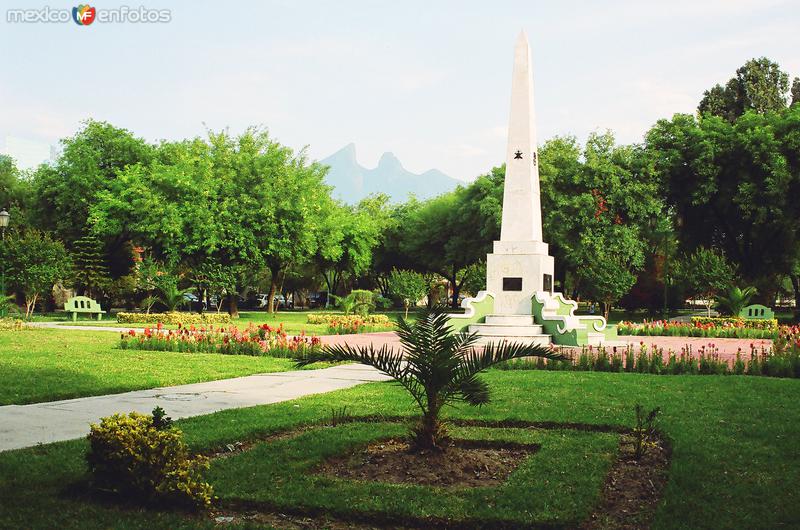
(515, 277)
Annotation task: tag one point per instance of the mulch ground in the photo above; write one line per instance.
(462, 464)
(632, 488)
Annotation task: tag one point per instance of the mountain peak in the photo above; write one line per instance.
(347, 153)
(352, 182)
(389, 161)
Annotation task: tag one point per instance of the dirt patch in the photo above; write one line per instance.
(286, 521)
(632, 488)
(465, 464)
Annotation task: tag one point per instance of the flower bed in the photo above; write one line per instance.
(738, 322)
(253, 340)
(174, 317)
(783, 360)
(730, 328)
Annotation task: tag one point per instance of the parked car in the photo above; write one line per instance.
(194, 302)
(317, 299)
(279, 301)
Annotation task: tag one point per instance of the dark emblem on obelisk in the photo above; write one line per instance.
(518, 155)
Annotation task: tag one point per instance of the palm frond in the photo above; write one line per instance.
(497, 352)
(384, 359)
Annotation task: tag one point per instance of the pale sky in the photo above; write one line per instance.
(429, 81)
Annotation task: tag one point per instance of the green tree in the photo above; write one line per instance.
(707, 272)
(34, 263)
(409, 286)
(734, 187)
(15, 190)
(437, 367)
(347, 239)
(598, 203)
(88, 165)
(759, 85)
(435, 237)
(91, 272)
(795, 91)
(214, 279)
(611, 260)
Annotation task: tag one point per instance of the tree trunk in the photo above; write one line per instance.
(454, 284)
(30, 305)
(431, 433)
(796, 286)
(273, 286)
(233, 305)
(606, 309)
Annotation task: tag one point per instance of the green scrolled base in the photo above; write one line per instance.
(564, 327)
(476, 310)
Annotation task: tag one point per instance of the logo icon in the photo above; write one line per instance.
(83, 15)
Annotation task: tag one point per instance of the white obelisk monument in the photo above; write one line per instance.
(520, 265)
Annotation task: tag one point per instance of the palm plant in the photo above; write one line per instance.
(8, 305)
(736, 300)
(436, 366)
(171, 296)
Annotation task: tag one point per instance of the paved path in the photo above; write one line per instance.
(28, 425)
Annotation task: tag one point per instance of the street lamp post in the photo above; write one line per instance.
(4, 218)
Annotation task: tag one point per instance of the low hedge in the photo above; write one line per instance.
(11, 324)
(174, 317)
(770, 324)
(328, 318)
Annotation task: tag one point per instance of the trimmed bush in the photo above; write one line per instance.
(328, 318)
(174, 317)
(11, 324)
(137, 457)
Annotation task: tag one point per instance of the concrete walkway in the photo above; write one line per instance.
(29, 425)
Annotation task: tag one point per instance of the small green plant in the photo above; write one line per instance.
(7, 306)
(736, 300)
(358, 302)
(340, 415)
(644, 431)
(171, 296)
(161, 421)
(144, 457)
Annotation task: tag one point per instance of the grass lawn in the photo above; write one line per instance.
(734, 464)
(49, 364)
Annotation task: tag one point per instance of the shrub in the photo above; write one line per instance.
(136, 457)
(175, 317)
(11, 324)
(327, 318)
